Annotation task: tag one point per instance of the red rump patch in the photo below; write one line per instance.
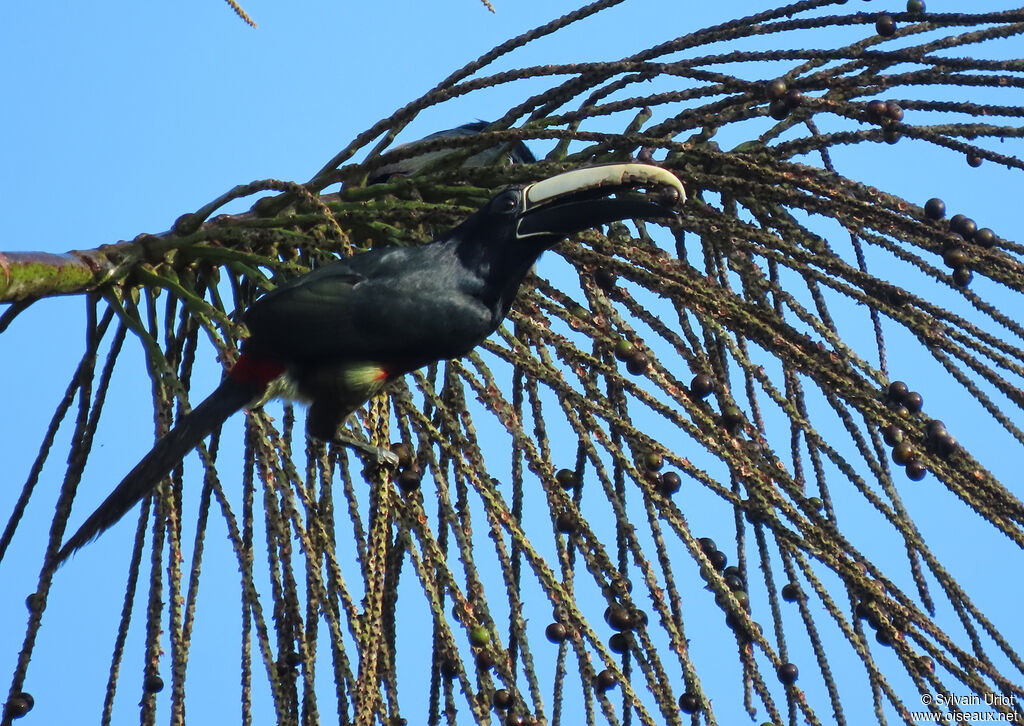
(253, 371)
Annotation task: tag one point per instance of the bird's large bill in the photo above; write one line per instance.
(584, 198)
(607, 177)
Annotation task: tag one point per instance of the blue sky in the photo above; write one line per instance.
(119, 116)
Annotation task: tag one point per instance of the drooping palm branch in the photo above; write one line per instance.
(683, 459)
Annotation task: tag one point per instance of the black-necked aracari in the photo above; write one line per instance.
(336, 336)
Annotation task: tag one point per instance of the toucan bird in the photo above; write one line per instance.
(336, 336)
(517, 153)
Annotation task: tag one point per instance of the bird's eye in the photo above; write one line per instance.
(507, 201)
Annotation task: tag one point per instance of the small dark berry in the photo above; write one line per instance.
(915, 6)
(935, 208)
(707, 545)
(605, 680)
(742, 598)
(916, 470)
(985, 237)
(934, 428)
(449, 667)
(637, 363)
(791, 592)
(484, 660)
(718, 560)
(973, 159)
(892, 434)
(897, 390)
(669, 483)
(902, 411)
(903, 453)
(955, 257)
(788, 673)
(702, 385)
(556, 632)
(654, 461)
(794, 98)
(515, 719)
(667, 196)
(153, 683)
(885, 25)
(893, 111)
(963, 226)
(816, 503)
(689, 703)
(479, 636)
(565, 523)
(732, 417)
(945, 445)
(604, 279)
(890, 135)
(619, 643)
(735, 582)
(619, 618)
(566, 479)
(914, 401)
(862, 610)
(778, 109)
(34, 601)
(623, 349)
(962, 276)
(777, 89)
(408, 480)
(502, 698)
(875, 109)
(19, 704)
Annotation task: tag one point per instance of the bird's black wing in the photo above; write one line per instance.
(402, 306)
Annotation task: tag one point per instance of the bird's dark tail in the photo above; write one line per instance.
(191, 428)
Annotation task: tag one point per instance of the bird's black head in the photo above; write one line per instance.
(504, 238)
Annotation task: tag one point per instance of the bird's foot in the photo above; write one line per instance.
(381, 456)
